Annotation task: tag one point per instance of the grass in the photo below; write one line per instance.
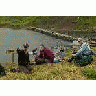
(91, 74)
(90, 70)
(59, 71)
(48, 22)
(22, 21)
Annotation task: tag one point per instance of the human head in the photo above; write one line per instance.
(41, 47)
(80, 40)
(26, 45)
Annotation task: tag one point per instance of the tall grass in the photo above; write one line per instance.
(59, 71)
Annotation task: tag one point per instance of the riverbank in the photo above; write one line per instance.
(52, 33)
(58, 35)
(59, 71)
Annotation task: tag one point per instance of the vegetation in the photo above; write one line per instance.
(86, 22)
(59, 71)
(48, 22)
(22, 21)
(90, 73)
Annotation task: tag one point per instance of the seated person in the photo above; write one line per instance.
(83, 55)
(61, 49)
(23, 60)
(23, 55)
(46, 55)
(61, 53)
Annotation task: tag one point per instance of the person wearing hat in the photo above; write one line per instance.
(23, 59)
(83, 55)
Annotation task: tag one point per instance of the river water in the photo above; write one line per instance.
(10, 38)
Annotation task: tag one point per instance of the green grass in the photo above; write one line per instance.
(47, 22)
(61, 71)
(86, 22)
(91, 74)
(22, 21)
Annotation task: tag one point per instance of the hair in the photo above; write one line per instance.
(26, 45)
(42, 45)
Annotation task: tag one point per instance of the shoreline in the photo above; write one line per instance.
(61, 36)
(52, 33)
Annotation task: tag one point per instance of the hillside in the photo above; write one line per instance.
(58, 23)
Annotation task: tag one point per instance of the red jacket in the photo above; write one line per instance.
(47, 53)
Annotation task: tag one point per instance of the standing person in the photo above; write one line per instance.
(23, 59)
(83, 55)
(46, 55)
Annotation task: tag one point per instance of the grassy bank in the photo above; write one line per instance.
(22, 21)
(59, 23)
(59, 71)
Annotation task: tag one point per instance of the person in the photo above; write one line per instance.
(34, 51)
(23, 60)
(83, 56)
(61, 53)
(61, 49)
(2, 70)
(46, 55)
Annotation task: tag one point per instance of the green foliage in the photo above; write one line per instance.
(45, 21)
(86, 22)
(90, 74)
(22, 21)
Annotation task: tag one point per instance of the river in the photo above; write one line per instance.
(14, 38)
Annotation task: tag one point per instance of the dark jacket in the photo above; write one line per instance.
(23, 58)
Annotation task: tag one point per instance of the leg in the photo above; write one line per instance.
(23, 69)
(39, 61)
(29, 68)
(50, 62)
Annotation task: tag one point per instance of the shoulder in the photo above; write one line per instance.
(20, 50)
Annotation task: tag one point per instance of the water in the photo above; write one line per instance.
(11, 38)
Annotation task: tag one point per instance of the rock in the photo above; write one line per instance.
(31, 28)
(52, 33)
